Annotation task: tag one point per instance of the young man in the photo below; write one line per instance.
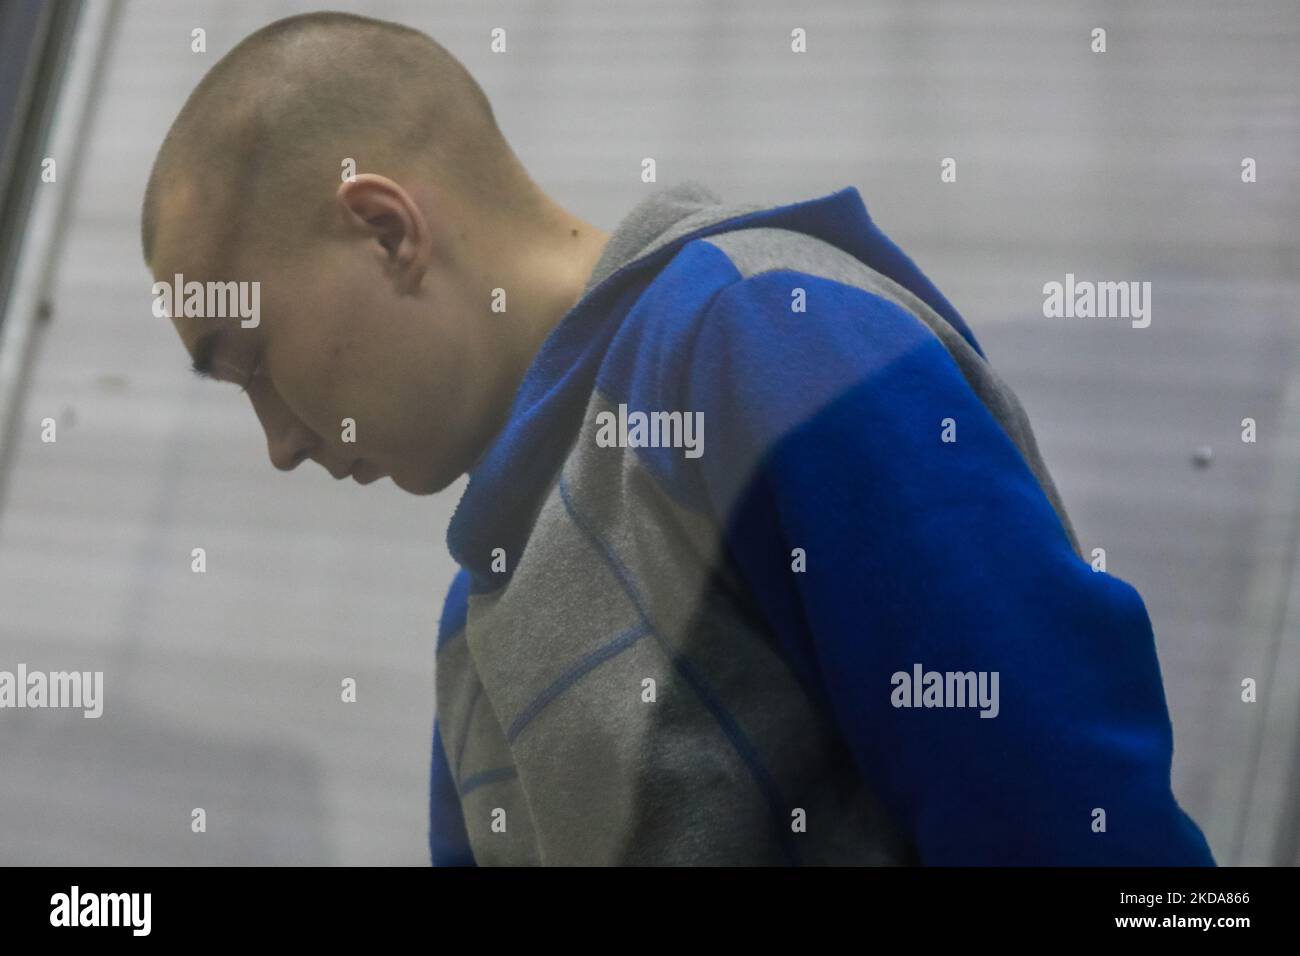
(760, 563)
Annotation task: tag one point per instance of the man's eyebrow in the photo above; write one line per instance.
(204, 349)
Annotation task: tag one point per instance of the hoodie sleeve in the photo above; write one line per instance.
(448, 840)
(827, 441)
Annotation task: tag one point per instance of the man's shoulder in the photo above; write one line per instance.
(763, 286)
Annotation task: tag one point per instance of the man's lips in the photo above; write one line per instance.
(360, 471)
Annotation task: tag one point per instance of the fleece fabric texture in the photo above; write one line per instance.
(654, 654)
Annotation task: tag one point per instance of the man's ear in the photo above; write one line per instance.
(385, 211)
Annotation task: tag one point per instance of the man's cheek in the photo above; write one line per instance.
(313, 409)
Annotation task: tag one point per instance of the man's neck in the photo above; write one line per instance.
(550, 273)
(543, 273)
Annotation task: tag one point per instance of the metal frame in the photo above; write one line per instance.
(65, 45)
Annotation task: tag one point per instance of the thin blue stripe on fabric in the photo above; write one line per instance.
(588, 663)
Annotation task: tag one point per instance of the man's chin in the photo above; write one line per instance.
(428, 484)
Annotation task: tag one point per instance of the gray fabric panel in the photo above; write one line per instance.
(755, 251)
(620, 780)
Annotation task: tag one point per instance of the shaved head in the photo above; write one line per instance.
(256, 153)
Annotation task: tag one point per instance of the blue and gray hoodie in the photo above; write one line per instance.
(765, 568)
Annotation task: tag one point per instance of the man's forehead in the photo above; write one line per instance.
(187, 250)
(195, 230)
(182, 242)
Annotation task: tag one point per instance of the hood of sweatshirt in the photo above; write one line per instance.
(509, 482)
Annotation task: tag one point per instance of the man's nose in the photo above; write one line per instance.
(288, 441)
(287, 452)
